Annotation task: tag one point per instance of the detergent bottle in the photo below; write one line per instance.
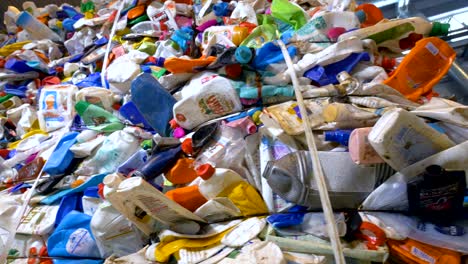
(402, 138)
(206, 97)
(400, 34)
(318, 27)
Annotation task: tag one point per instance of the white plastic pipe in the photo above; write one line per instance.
(108, 49)
(317, 167)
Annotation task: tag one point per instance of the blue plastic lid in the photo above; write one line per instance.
(19, 66)
(361, 15)
(68, 24)
(243, 54)
(92, 192)
(221, 9)
(160, 62)
(339, 136)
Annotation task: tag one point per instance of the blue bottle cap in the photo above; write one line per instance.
(243, 54)
(340, 136)
(221, 9)
(160, 62)
(92, 192)
(361, 15)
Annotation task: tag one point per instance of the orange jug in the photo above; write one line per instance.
(422, 68)
(414, 252)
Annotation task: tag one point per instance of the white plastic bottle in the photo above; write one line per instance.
(206, 97)
(35, 28)
(332, 54)
(388, 34)
(216, 181)
(317, 28)
(114, 233)
(401, 139)
(145, 206)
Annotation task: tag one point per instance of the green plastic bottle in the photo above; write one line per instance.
(289, 13)
(96, 118)
(260, 35)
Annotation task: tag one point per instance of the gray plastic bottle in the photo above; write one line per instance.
(348, 183)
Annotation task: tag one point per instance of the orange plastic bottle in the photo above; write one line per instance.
(136, 12)
(180, 65)
(189, 197)
(183, 172)
(414, 252)
(373, 14)
(422, 68)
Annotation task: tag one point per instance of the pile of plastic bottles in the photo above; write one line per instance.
(148, 131)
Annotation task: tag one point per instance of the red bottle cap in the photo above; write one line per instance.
(205, 171)
(187, 147)
(233, 71)
(173, 124)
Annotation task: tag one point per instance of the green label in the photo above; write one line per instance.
(392, 33)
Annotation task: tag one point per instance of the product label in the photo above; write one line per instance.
(410, 146)
(422, 255)
(311, 30)
(432, 49)
(209, 34)
(81, 243)
(392, 33)
(438, 199)
(215, 104)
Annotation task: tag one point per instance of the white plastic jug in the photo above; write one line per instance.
(114, 233)
(214, 181)
(401, 139)
(206, 97)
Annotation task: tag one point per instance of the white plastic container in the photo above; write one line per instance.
(316, 29)
(114, 233)
(402, 139)
(388, 34)
(35, 28)
(206, 97)
(332, 54)
(216, 181)
(56, 106)
(144, 205)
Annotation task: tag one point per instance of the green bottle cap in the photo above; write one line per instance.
(81, 106)
(439, 29)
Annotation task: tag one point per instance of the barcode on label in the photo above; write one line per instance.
(422, 255)
(432, 49)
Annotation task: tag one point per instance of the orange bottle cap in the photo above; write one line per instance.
(76, 183)
(205, 171)
(136, 12)
(187, 147)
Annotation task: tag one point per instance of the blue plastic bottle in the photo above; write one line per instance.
(62, 157)
(154, 102)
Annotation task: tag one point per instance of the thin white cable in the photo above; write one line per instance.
(317, 167)
(19, 215)
(108, 49)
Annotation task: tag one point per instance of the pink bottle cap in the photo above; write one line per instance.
(334, 33)
(179, 132)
